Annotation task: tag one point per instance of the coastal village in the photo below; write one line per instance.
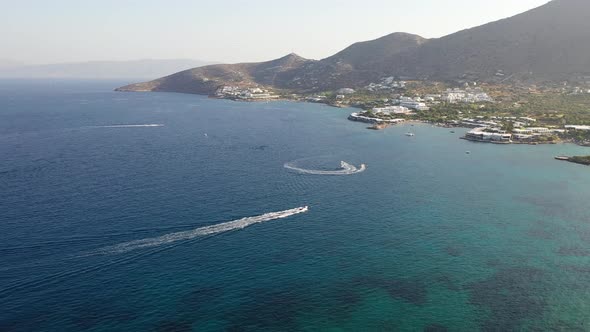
(393, 101)
(486, 128)
(245, 93)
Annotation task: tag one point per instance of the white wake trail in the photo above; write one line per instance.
(345, 169)
(130, 126)
(198, 232)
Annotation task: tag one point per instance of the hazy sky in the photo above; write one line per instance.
(43, 31)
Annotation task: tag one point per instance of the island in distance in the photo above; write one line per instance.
(520, 49)
(135, 69)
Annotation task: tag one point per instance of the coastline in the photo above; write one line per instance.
(519, 142)
(378, 125)
(575, 160)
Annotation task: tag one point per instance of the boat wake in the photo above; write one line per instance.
(199, 232)
(157, 245)
(345, 169)
(130, 126)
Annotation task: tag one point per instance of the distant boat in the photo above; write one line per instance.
(452, 131)
(467, 152)
(410, 134)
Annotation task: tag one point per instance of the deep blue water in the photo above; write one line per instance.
(428, 238)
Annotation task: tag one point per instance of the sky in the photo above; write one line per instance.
(42, 31)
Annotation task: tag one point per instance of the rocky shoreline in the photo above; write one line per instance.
(582, 160)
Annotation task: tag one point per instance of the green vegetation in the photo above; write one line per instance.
(581, 137)
(551, 108)
(585, 160)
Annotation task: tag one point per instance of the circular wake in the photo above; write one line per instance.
(345, 169)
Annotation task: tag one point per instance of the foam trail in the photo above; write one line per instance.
(202, 231)
(345, 169)
(130, 126)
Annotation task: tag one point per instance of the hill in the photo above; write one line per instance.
(205, 80)
(548, 43)
(290, 72)
(360, 54)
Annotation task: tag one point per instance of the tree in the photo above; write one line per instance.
(508, 127)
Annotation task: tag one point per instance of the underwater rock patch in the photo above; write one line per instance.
(512, 295)
(435, 328)
(412, 291)
(573, 251)
(454, 250)
(174, 326)
(276, 310)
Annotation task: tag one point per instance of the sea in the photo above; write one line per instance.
(175, 212)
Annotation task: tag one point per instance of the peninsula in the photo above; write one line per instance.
(583, 160)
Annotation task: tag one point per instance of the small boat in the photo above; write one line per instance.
(452, 131)
(410, 134)
(467, 152)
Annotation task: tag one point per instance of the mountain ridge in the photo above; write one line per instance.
(547, 43)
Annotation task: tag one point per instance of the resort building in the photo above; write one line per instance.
(575, 127)
(345, 91)
(316, 99)
(256, 96)
(522, 137)
(362, 118)
(387, 83)
(432, 97)
(469, 95)
(235, 92)
(228, 91)
(392, 110)
(532, 130)
(414, 104)
(483, 134)
(478, 123)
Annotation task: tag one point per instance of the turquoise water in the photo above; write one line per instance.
(428, 238)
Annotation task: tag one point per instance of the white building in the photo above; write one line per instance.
(480, 134)
(478, 123)
(418, 106)
(532, 130)
(469, 95)
(362, 118)
(392, 110)
(575, 127)
(413, 104)
(345, 91)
